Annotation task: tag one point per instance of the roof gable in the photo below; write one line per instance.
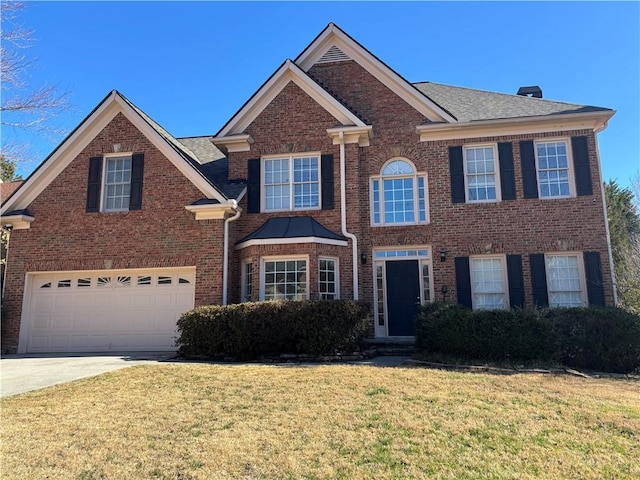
(288, 72)
(333, 39)
(113, 104)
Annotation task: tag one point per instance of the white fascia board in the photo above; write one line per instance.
(18, 222)
(514, 126)
(288, 72)
(334, 36)
(73, 146)
(289, 241)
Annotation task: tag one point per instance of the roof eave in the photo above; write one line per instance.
(596, 121)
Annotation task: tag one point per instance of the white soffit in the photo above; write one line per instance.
(73, 145)
(333, 36)
(288, 72)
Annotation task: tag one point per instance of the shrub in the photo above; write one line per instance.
(249, 330)
(488, 334)
(605, 339)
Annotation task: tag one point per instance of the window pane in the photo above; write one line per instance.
(327, 280)
(290, 281)
(553, 169)
(563, 281)
(117, 183)
(480, 173)
(488, 285)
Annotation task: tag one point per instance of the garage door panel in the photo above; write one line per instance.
(108, 311)
(63, 302)
(84, 301)
(163, 341)
(59, 342)
(39, 342)
(61, 322)
(143, 299)
(41, 321)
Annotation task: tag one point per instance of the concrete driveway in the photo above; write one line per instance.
(23, 373)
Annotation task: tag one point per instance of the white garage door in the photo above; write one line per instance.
(107, 310)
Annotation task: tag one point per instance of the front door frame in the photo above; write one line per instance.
(382, 255)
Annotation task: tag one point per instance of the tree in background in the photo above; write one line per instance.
(22, 106)
(8, 170)
(624, 228)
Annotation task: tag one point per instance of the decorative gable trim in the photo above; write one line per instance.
(216, 211)
(18, 221)
(288, 72)
(333, 36)
(113, 104)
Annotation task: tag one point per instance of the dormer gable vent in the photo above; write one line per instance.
(334, 54)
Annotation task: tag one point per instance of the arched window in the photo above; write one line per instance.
(399, 195)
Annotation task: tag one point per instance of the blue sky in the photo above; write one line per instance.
(192, 65)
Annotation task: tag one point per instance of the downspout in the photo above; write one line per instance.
(343, 208)
(614, 280)
(225, 255)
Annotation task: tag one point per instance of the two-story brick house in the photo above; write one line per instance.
(336, 179)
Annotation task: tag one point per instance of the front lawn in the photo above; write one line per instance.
(199, 421)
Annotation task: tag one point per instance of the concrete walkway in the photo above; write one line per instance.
(24, 373)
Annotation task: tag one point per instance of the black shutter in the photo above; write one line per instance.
(507, 174)
(581, 165)
(137, 170)
(463, 281)
(539, 280)
(456, 169)
(593, 272)
(326, 169)
(253, 186)
(529, 174)
(93, 186)
(516, 282)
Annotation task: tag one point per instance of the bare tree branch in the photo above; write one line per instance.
(23, 107)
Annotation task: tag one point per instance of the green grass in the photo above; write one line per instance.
(186, 421)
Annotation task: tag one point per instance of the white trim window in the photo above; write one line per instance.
(117, 184)
(480, 172)
(489, 284)
(285, 278)
(565, 280)
(553, 169)
(291, 182)
(247, 281)
(399, 195)
(328, 284)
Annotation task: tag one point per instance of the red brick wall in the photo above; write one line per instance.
(292, 123)
(511, 227)
(162, 234)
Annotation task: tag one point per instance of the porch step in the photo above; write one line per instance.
(392, 346)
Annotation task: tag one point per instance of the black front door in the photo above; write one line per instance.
(403, 296)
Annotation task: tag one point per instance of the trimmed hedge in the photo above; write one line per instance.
(604, 339)
(249, 330)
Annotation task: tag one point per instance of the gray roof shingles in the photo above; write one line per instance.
(208, 160)
(469, 105)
